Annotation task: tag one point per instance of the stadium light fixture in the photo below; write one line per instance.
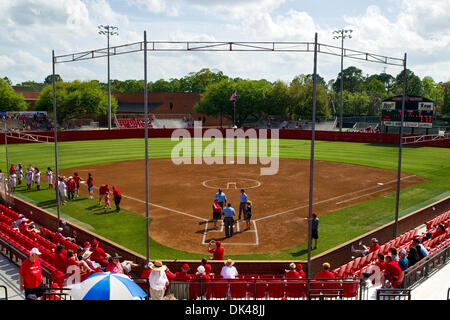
(342, 34)
(108, 31)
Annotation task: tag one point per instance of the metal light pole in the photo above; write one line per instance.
(400, 148)
(146, 146)
(108, 30)
(55, 133)
(342, 34)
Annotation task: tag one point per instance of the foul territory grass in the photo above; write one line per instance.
(128, 228)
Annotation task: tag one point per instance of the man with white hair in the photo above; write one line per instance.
(30, 276)
(229, 271)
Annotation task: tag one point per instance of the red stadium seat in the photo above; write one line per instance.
(295, 289)
(257, 289)
(276, 288)
(238, 289)
(219, 289)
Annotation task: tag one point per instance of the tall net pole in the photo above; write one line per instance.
(55, 133)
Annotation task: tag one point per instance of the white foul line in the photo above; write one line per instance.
(330, 199)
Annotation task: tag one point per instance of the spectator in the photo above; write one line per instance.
(427, 236)
(86, 246)
(394, 254)
(183, 274)
(229, 271)
(146, 271)
(59, 258)
(116, 266)
(375, 245)
(201, 273)
(440, 230)
(158, 281)
(403, 261)
(292, 273)
(30, 276)
(392, 273)
(300, 270)
(413, 256)
(325, 273)
(20, 220)
(218, 252)
(92, 264)
(207, 266)
(60, 237)
(420, 248)
(72, 260)
(98, 254)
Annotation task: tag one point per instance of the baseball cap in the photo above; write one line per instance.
(35, 251)
(185, 266)
(402, 251)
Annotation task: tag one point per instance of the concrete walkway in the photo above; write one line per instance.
(9, 278)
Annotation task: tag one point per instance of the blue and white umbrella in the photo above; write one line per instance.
(107, 286)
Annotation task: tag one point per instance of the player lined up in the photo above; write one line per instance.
(223, 208)
(68, 188)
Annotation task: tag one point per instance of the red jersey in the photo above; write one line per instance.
(116, 192)
(218, 253)
(90, 181)
(59, 260)
(77, 179)
(393, 269)
(102, 189)
(70, 185)
(292, 275)
(182, 275)
(324, 275)
(31, 273)
(374, 247)
(97, 254)
(217, 208)
(207, 268)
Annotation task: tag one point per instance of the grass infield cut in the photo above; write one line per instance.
(335, 228)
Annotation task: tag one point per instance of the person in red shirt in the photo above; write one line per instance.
(59, 258)
(117, 197)
(207, 266)
(375, 246)
(392, 272)
(70, 183)
(30, 276)
(218, 252)
(439, 231)
(183, 274)
(101, 193)
(77, 180)
(300, 270)
(292, 273)
(325, 273)
(217, 212)
(98, 254)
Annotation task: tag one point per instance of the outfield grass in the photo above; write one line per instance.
(335, 228)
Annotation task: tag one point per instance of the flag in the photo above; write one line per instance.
(233, 98)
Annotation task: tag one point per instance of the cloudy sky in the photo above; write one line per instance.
(31, 29)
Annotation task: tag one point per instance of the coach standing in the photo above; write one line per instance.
(221, 197)
(228, 220)
(30, 276)
(243, 204)
(117, 198)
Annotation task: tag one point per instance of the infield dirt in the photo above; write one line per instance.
(181, 198)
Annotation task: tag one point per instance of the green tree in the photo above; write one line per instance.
(76, 99)
(353, 79)
(7, 81)
(9, 99)
(413, 84)
(162, 85)
(49, 79)
(35, 86)
(446, 98)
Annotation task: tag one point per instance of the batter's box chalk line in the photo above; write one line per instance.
(221, 231)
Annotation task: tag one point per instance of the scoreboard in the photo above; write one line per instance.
(418, 112)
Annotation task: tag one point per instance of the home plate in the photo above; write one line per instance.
(380, 183)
